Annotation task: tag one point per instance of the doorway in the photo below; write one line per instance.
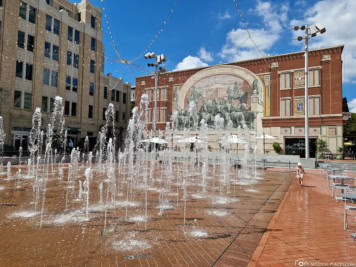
(296, 146)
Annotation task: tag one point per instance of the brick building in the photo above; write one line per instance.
(274, 87)
(49, 48)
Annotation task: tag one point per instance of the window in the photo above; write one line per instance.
(30, 43)
(163, 114)
(124, 98)
(123, 116)
(90, 113)
(79, 17)
(46, 76)
(285, 107)
(113, 95)
(32, 15)
(48, 23)
(51, 104)
(44, 104)
(0, 2)
(76, 37)
(164, 94)
(76, 61)
(91, 90)
(68, 82)
(104, 110)
(17, 99)
(47, 50)
(93, 22)
(29, 68)
(49, 2)
(19, 69)
(20, 39)
(75, 85)
(27, 104)
(93, 42)
(66, 108)
(55, 54)
(117, 96)
(54, 78)
(314, 78)
(105, 92)
(285, 81)
(314, 105)
(92, 66)
(74, 109)
(70, 33)
(117, 116)
(149, 115)
(23, 10)
(149, 94)
(69, 58)
(56, 26)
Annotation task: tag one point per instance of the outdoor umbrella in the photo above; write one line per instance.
(194, 139)
(155, 140)
(233, 139)
(264, 137)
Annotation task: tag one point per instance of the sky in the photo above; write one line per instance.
(208, 32)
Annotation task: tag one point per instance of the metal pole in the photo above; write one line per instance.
(155, 113)
(306, 93)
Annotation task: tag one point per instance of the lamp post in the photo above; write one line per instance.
(159, 60)
(310, 30)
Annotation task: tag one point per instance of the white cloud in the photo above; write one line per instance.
(224, 16)
(352, 105)
(205, 55)
(339, 20)
(239, 47)
(190, 62)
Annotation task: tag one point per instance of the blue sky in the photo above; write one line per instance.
(208, 32)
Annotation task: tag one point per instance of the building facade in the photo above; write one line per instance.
(265, 94)
(50, 48)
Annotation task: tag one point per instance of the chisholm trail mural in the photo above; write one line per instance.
(228, 96)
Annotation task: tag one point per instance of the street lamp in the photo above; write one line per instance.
(159, 60)
(310, 31)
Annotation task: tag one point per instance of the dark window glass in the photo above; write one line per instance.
(79, 17)
(51, 104)
(123, 116)
(104, 110)
(19, 69)
(47, 50)
(30, 43)
(44, 104)
(23, 10)
(66, 108)
(32, 15)
(69, 58)
(112, 95)
(91, 91)
(75, 85)
(56, 26)
(117, 96)
(74, 109)
(93, 42)
(55, 54)
(21, 39)
(46, 76)
(70, 33)
(0, 2)
(76, 37)
(117, 116)
(93, 22)
(49, 2)
(17, 99)
(76, 61)
(54, 79)
(29, 68)
(105, 92)
(48, 23)
(68, 82)
(90, 113)
(92, 66)
(61, 8)
(27, 104)
(124, 98)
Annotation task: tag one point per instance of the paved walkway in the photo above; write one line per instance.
(307, 229)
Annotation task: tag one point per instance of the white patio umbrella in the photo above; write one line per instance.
(155, 140)
(264, 137)
(194, 139)
(233, 139)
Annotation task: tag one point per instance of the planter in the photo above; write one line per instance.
(339, 157)
(319, 156)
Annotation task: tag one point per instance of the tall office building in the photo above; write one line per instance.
(50, 48)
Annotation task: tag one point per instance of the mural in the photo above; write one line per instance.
(225, 95)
